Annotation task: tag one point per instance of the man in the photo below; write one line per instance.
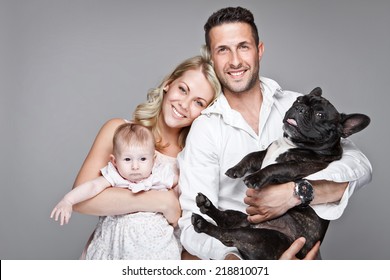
(246, 118)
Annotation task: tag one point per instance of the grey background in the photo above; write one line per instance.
(68, 66)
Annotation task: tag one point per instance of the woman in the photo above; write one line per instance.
(169, 112)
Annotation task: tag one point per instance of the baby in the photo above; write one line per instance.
(132, 165)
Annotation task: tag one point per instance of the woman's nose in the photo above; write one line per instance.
(185, 103)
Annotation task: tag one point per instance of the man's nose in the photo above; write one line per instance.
(235, 59)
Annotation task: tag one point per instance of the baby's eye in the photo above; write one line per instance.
(143, 159)
(127, 159)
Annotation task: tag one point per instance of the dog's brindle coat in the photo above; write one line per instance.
(311, 140)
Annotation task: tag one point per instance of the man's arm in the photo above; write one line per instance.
(199, 172)
(332, 188)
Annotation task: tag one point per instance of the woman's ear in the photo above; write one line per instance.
(166, 86)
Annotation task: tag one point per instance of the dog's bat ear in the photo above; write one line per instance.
(353, 123)
(317, 91)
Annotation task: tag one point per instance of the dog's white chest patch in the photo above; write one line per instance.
(275, 149)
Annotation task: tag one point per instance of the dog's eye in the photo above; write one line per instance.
(320, 115)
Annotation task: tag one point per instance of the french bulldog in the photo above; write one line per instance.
(313, 129)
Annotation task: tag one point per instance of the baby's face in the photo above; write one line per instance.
(135, 163)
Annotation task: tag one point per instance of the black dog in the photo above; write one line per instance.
(311, 140)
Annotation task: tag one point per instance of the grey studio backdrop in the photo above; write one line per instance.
(69, 66)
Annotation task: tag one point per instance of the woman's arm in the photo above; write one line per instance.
(116, 201)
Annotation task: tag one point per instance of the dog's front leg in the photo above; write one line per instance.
(250, 163)
(284, 172)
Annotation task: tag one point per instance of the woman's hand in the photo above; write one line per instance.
(170, 206)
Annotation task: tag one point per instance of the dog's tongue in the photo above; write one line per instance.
(292, 122)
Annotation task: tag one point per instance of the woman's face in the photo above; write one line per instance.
(185, 98)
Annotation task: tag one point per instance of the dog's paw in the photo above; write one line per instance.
(203, 203)
(198, 222)
(253, 181)
(235, 172)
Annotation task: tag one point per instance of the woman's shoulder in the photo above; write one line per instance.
(113, 123)
(109, 127)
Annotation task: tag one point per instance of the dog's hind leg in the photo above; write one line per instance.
(251, 243)
(224, 219)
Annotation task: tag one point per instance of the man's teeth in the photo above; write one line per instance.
(177, 113)
(236, 73)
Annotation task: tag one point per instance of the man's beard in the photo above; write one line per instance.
(230, 86)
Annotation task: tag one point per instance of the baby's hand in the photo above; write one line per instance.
(63, 210)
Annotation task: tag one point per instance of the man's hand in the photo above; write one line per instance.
(270, 202)
(232, 257)
(290, 253)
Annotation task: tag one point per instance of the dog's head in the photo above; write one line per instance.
(313, 122)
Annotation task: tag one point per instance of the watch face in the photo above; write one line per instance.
(304, 190)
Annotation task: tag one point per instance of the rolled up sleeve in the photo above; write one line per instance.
(353, 167)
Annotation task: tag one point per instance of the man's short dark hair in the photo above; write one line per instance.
(230, 15)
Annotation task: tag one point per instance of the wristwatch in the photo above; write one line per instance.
(304, 191)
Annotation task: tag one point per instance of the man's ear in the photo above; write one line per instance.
(260, 48)
(113, 160)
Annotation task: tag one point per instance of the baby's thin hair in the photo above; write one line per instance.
(132, 134)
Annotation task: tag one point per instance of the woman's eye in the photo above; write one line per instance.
(199, 103)
(182, 89)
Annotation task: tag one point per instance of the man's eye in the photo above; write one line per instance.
(222, 50)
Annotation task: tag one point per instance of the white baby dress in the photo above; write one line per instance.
(141, 235)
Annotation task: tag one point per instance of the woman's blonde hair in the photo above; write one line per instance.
(148, 113)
